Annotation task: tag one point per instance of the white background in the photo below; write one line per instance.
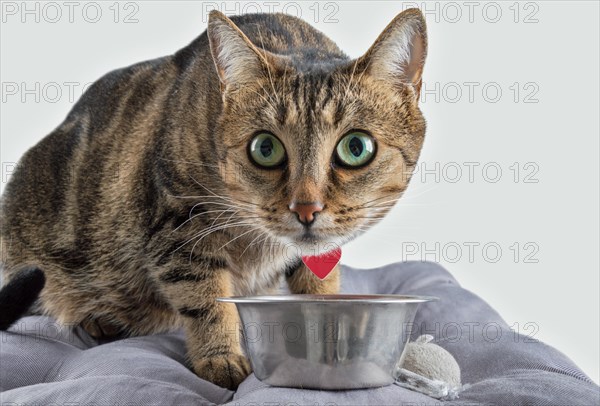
(550, 129)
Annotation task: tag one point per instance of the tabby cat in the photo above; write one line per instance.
(209, 173)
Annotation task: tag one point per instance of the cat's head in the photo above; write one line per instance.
(317, 148)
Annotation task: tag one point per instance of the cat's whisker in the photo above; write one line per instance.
(214, 195)
(252, 242)
(365, 69)
(410, 196)
(227, 201)
(260, 37)
(214, 211)
(200, 236)
(219, 196)
(269, 102)
(184, 197)
(383, 206)
(199, 197)
(237, 218)
(207, 230)
(243, 201)
(391, 202)
(192, 209)
(218, 203)
(401, 203)
(227, 221)
(350, 79)
(222, 226)
(370, 217)
(285, 77)
(264, 245)
(265, 240)
(387, 203)
(374, 200)
(196, 215)
(236, 206)
(204, 187)
(235, 238)
(267, 237)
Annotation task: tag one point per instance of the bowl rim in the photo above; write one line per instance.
(341, 298)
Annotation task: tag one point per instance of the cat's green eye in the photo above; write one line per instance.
(355, 149)
(266, 150)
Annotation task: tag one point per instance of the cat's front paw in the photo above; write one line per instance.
(227, 371)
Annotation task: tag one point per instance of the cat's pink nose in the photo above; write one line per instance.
(306, 211)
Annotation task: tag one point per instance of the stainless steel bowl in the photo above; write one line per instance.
(326, 341)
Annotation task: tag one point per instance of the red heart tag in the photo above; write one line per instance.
(322, 265)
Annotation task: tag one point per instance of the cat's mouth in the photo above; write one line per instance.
(316, 242)
(309, 236)
(311, 239)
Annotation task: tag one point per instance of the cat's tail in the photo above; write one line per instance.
(17, 296)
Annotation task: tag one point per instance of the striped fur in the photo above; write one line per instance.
(142, 207)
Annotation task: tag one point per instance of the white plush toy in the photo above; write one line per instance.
(429, 369)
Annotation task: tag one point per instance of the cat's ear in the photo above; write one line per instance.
(398, 54)
(236, 59)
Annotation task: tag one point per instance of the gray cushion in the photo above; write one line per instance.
(43, 363)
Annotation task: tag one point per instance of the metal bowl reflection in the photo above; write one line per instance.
(326, 341)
